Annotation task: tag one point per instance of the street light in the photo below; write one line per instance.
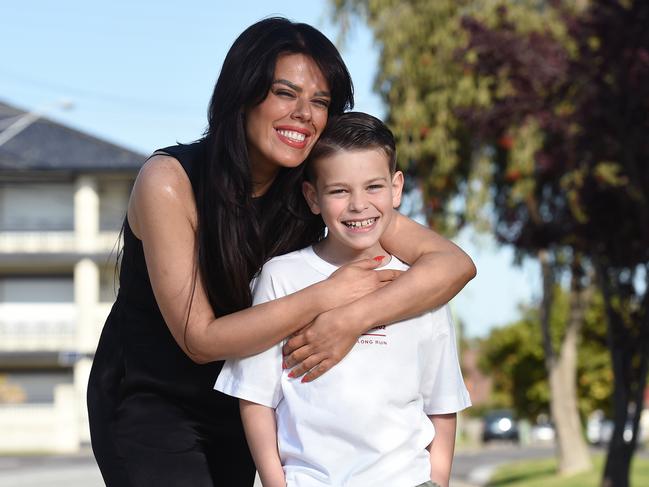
(26, 119)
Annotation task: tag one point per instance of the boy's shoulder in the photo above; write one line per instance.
(286, 262)
(287, 259)
(306, 258)
(287, 273)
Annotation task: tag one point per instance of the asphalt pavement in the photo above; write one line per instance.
(471, 468)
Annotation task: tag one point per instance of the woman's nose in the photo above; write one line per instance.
(302, 110)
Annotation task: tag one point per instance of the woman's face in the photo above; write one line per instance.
(282, 129)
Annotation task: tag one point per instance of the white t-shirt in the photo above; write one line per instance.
(364, 422)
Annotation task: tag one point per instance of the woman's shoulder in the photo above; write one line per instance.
(162, 188)
(183, 152)
(162, 172)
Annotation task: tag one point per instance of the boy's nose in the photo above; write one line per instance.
(358, 202)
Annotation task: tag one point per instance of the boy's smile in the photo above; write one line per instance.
(355, 194)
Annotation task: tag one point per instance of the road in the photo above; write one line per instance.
(470, 468)
(474, 467)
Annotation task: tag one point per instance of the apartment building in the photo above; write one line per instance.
(63, 197)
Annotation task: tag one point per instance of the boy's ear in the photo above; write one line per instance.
(397, 188)
(311, 197)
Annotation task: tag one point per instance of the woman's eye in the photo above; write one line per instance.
(337, 191)
(375, 187)
(322, 103)
(284, 93)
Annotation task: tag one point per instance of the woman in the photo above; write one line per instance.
(201, 221)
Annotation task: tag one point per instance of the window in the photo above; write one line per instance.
(36, 207)
(36, 289)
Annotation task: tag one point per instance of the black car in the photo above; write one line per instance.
(500, 425)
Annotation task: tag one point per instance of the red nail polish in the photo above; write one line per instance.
(291, 375)
(379, 258)
(304, 379)
(284, 364)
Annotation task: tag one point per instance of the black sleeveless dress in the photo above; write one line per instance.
(155, 419)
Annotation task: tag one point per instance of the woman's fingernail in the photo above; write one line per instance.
(284, 364)
(291, 374)
(304, 379)
(379, 258)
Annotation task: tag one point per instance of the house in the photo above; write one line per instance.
(63, 197)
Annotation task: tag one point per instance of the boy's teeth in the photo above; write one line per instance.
(360, 223)
(290, 134)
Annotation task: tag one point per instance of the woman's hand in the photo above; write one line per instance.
(324, 342)
(320, 345)
(355, 280)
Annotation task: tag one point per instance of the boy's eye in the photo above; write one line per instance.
(374, 187)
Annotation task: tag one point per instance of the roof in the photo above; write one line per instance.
(46, 145)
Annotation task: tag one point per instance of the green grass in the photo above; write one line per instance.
(542, 473)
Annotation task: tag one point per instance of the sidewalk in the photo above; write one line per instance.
(70, 471)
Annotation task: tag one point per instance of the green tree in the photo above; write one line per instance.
(572, 175)
(422, 83)
(436, 101)
(540, 108)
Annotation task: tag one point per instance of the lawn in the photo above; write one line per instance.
(542, 473)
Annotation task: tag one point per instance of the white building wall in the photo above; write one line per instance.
(42, 427)
(57, 313)
(113, 203)
(86, 213)
(86, 299)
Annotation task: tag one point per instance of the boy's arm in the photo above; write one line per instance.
(442, 448)
(261, 433)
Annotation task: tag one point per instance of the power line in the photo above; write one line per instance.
(96, 95)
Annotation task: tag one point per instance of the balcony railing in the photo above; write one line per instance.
(54, 242)
(48, 327)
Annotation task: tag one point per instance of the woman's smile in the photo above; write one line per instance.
(296, 137)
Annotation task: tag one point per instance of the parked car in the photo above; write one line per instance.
(599, 430)
(500, 425)
(542, 432)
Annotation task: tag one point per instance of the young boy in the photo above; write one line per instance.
(386, 414)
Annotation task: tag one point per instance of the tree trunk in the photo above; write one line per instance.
(629, 347)
(572, 451)
(620, 452)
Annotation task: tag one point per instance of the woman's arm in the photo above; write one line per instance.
(440, 269)
(162, 214)
(261, 433)
(442, 448)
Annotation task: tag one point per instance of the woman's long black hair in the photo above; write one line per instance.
(237, 234)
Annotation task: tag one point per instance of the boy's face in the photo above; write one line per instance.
(355, 194)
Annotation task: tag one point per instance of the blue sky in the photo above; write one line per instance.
(140, 74)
